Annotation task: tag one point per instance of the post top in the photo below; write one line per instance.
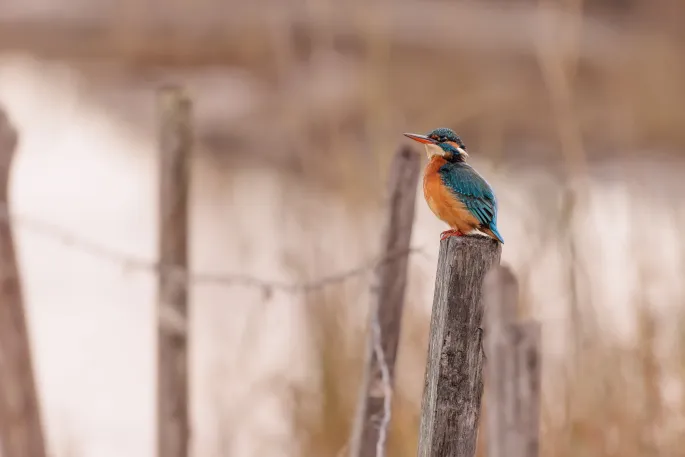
(471, 241)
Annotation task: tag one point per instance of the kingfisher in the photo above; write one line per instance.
(454, 190)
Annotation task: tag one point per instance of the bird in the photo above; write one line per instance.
(455, 192)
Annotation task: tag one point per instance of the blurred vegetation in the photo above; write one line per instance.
(556, 88)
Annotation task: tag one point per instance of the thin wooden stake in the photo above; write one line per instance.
(21, 432)
(173, 428)
(450, 411)
(373, 423)
(513, 371)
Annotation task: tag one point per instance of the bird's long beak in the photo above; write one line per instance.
(432, 148)
(420, 138)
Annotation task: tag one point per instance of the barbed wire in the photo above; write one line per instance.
(133, 263)
(170, 319)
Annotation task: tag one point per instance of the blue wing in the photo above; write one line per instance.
(473, 191)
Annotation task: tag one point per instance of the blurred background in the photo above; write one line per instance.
(572, 109)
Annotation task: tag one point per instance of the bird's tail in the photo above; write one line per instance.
(492, 231)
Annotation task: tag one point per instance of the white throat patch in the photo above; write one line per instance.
(433, 150)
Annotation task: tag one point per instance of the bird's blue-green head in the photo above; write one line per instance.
(442, 142)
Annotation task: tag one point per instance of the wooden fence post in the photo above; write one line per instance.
(21, 431)
(450, 410)
(513, 371)
(372, 424)
(175, 137)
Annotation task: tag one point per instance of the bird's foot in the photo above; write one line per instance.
(449, 233)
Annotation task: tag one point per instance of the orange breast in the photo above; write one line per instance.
(442, 202)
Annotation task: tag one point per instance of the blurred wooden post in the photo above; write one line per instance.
(175, 137)
(373, 421)
(513, 371)
(21, 431)
(450, 410)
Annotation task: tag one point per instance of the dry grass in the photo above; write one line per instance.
(560, 102)
(602, 397)
(347, 77)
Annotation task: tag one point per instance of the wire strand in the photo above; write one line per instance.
(129, 262)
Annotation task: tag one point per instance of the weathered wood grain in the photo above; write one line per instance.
(21, 431)
(371, 428)
(513, 370)
(175, 137)
(450, 410)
